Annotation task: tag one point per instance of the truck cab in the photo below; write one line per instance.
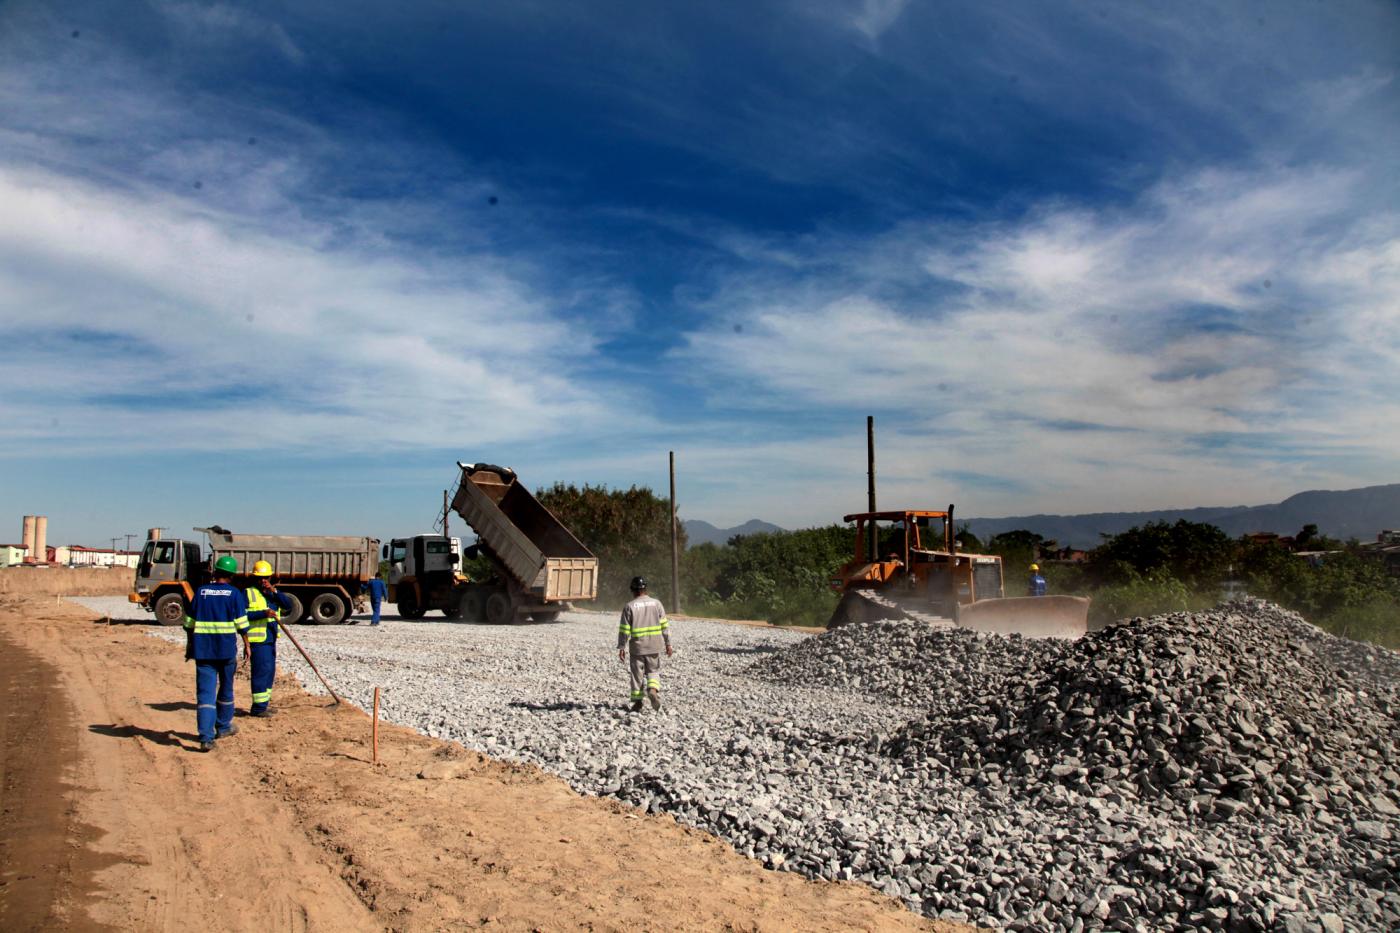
(423, 574)
(166, 575)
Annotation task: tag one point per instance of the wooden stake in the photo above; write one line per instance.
(375, 732)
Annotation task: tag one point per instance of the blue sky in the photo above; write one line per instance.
(278, 266)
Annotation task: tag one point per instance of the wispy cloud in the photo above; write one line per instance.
(1083, 317)
(338, 343)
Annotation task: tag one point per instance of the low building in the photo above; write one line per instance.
(1386, 548)
(11, 554)
(79, 556)
(58, 555)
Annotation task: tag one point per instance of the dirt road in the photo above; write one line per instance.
(109, 819)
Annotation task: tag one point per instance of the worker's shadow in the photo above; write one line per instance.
(163, 737)
(557, 707)
(173, 706)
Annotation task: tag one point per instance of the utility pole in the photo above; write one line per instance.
(870, 473)
(128, 540)
(675, 544)
(114, 541)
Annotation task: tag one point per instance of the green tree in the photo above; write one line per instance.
(782, 577)
(1018, 550)
(629, 531)
(1195, 553)
(969, 542)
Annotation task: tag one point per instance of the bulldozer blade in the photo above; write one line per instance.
(875, 605)
(853, 608)
(1029, 616)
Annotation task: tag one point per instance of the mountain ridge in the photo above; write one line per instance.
(1339, 513)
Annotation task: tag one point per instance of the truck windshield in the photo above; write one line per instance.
(438, 547)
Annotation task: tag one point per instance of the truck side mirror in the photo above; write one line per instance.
(453, 558)
(385, 552)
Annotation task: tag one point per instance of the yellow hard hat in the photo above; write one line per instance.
(262, 569)
(1033, 567)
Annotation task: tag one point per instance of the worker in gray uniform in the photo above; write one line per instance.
(644, 629)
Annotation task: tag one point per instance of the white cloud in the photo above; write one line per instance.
(1226, 338)
(337, 344)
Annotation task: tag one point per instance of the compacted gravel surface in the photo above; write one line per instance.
(1232, 769)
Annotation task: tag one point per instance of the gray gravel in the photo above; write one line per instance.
(931, 766)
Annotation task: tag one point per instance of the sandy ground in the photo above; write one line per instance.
(109, 819)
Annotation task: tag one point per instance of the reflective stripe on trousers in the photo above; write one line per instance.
(264, 671)
(645, 670)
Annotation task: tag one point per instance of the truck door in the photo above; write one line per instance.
(397, 555)
(158, 563)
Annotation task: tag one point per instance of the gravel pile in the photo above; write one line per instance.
(834, 777)
(1246, 715)
(936, 669)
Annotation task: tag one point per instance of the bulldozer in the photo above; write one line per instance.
(911, 569)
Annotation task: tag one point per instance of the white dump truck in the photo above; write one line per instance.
(541, 569)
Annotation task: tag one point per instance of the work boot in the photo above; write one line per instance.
(206, 746)
(231, 730)
(636, 706)
(261, 713)
(655, 696)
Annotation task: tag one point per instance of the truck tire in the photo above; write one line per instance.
(545, 617)
(452, 613)
(498, 609)
(408, 605)
(170, 609)
(327, 609)
(297, 610)
(470, 606)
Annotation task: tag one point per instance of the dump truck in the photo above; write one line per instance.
(912, 569)
(323, 575)
(539, 568)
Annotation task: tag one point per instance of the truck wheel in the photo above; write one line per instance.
(327, 609)
(498, 610)
(545, 617)
(170, 609)
(408, 606)
(469, 608)
(294, 614)
(453, 613)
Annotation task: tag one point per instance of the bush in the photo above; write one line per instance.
(1144, 596)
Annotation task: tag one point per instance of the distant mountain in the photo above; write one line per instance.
(1349, 513)
(698, 532)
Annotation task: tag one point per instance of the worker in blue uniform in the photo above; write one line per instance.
(265, 608)
(1036, 585)
(215, 621)
(377, 592)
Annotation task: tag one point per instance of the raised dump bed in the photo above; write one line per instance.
(545, 565)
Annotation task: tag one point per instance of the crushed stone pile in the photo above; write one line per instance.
(1246, 714)
(1218, 714)
(936, 669)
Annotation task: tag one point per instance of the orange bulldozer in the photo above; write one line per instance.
(922, 577)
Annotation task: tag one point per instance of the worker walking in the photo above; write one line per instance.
(377, 592)
(265, 608)
(1036, 585)
(216, 619)
(644, 629)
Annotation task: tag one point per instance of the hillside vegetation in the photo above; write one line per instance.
(783, 576)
